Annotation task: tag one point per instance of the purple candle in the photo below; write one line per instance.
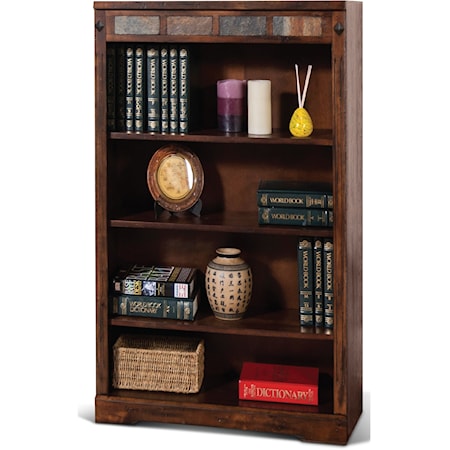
(230, 105)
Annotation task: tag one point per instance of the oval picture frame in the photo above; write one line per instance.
(175, 178)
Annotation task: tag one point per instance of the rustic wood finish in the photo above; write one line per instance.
(327, 35)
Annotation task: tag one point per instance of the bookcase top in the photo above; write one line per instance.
(232, 5)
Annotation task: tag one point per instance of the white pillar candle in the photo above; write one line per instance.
(259, 107)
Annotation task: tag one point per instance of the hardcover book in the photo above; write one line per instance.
(328, 291)
(279, 383)
(173, 90)
(306, 281)
(129, 92)
(159, 307)
(157, 281)
(139, 75)
(153, 90)
(293, 216)
(184, 90)
(165, 85)
(318, 282)
(294, 194)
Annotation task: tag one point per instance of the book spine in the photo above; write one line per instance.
(328, 291)
(111, 88)
(173, 90)
(293, 216)
(184, 90)
(153, 90)
(318, 283)
(292, 199)
(269, 391)
(129, 94)
(139, 90)
(306, 280)
(164, 57)
(121, 78)
(164, 308)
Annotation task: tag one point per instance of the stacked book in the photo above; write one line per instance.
(315, 273)
(148, 88)
(156, 291)
(279, 383)
(294, 203)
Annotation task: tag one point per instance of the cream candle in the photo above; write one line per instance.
(259, 107)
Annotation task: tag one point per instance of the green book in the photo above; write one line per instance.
(158, 307)
(139, 78)
(164, 58)
(318, 282)
(328, 289)
(129, 92)
(293, 216)
(153, 90)
(306, 281)
(173, 90)
(184, 90)
(121, 81)
(111, 87)
(294, 194)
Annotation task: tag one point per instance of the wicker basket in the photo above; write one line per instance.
(158, 363)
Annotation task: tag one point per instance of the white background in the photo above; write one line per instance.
(47, 356)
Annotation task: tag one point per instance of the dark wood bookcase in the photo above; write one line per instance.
(245, 40)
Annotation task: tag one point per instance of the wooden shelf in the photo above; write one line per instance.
(318, 138)
(219, 222)
(278, 324)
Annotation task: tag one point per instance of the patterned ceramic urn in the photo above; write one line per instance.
(228, 281)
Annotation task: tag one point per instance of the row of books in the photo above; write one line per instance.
(294, 203)
(167, 292)
(148, 88)
(315, 273)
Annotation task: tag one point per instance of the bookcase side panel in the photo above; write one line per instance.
(102, 348)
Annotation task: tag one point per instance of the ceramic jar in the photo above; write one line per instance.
(228, 282)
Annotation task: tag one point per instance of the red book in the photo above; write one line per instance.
(279, 383)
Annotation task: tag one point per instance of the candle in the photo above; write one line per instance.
(259, 107)
(230, 105)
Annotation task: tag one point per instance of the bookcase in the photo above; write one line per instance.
(243, 40)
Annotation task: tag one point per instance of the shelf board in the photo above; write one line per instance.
(237, 222)
(277, 324)
(318, 138)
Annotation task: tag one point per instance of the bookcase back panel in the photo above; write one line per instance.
(231, 173)
(273, 261)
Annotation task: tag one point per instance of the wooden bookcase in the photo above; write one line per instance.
(245, 40)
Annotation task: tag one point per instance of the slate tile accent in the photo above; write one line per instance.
(137, 25)
(297, 26)
(188, 25)
(242, 26)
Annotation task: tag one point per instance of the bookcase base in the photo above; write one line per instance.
(320, 428)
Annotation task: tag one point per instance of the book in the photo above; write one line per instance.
(293, 216)
(139, 78)
(156, 281)
(111, 87)
(184, 90)
(294, 194)
(279, 383)
(318, 282)
(328, 294)
(121, 81)
(173, 90)
(159, 307)
(165, 80)
(306, 281)
(153, 90)
(129, 93)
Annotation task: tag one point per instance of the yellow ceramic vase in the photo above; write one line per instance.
(301, 124)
